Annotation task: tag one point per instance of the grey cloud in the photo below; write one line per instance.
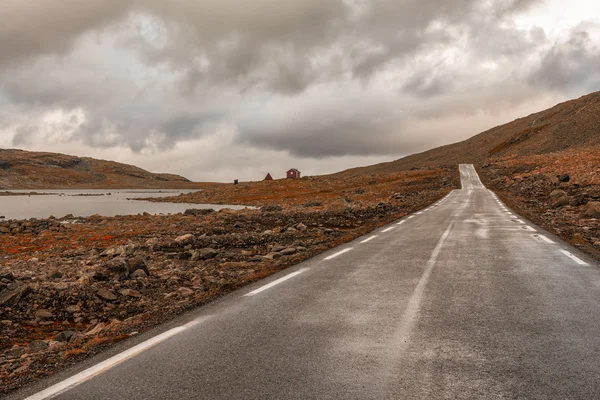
(29, 29)
(193, 66)
(570, 64)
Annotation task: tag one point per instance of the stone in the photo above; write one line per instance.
(277, 248)
(268, 232)
(558, 198)
(113, 251)
(186, 292)
(184, 239)
(564, 178)
(272, 256)
(38, 345)
(208, 254)
(43, 314)
(137, 264)
(106, 295)
(301, 227)
(139, 273)
(590, 210)
(288, 252)
(73, 309)
(64, 336)
(130, 293)
(198, 212)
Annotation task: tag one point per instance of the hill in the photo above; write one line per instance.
(31, 170)
(574, 124)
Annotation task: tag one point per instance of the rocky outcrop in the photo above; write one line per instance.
(31, 226)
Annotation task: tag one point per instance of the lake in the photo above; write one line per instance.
(83, 203)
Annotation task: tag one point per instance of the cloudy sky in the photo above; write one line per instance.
(224, 89)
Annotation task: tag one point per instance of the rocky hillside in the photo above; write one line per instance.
(573, 125)
(29, 170)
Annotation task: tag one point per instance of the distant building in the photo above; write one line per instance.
(268, 177)
(293, 174)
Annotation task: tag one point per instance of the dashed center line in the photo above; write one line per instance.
(528, 228)
(401, 222)
(387, 230)
(369, 239)
(339, 253)
(574, 258)
(276, 282)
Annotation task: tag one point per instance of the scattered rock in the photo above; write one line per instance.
(184, 239)
(64, 336)
(43, 314)
(106, 295)
(564, 178)
(38, 345)
(139, 273)
(590, 210)
(130, 293)
(289, 251)
(558, 198)
(13, 294)
(184, 291)
(199, 212)
(73, 309)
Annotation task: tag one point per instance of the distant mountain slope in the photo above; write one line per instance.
(569, 125)
(30, 170)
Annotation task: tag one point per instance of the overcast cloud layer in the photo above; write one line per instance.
(224, 89)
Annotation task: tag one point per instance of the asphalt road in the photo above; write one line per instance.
(462, 300)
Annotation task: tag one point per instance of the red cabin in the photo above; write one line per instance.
(293, 174)
(268, 177)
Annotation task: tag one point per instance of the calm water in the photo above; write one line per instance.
(63, 202)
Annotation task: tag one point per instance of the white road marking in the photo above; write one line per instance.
(104, 366)
(387, 230)
(276, 282)
(411, 311)
(412, 216)
(339, 253)
(369, 239)
(520, 221)
(401, 222)
(574, 258)
(420, 212)
(544, 238)
(528, 228)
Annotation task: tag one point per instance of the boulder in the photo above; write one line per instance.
(558, 198)
(106, 295)
(130, 293)
(139, 273)
(64, 336)
(136, 264)
(38, 345)
(184, 239)
(288, 252)
(564, 178)
(43, 314)
(198, 212)
(13, 293)
(591, 210)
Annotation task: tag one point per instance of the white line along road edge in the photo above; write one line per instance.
(574, 258)
(276, 282)
(339, 253)
(369, 239)
(104, 366)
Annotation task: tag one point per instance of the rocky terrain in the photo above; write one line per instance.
(560, 191)
(29, 170)
(69, 290)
